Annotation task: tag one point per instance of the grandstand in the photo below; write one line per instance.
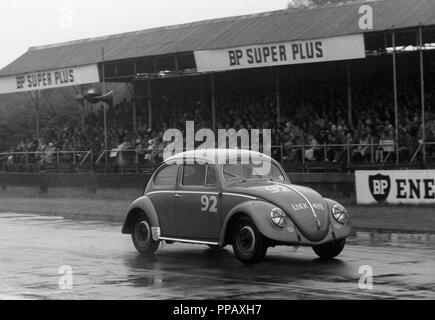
(362, 104)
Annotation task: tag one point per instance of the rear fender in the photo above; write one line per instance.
(145, 205)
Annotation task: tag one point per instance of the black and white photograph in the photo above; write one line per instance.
(226, 153)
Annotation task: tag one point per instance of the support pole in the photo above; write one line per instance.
(83, 109)
(423, 117)
(133, 102)
(278, 96)
(150, 111)
(396, 106)
(133, 93)
(213, 101)
(134, 115)
(106, 145)
(38, 133)
(349, 95)
(83, 117)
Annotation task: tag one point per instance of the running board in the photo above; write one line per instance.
(189, 241)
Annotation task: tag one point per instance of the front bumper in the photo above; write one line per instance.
(292, 236)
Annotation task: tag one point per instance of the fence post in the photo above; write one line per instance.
(348, 152)
(137, 161)
(325, 152)
(74, 159)
(92, 161)
(397, 147)
(373, 150)
(303, 153)
(282, 153)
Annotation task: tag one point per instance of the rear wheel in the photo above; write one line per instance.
(248, 243)
(142, 235)
(330, 250)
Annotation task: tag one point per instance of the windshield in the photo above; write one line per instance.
(253, 170)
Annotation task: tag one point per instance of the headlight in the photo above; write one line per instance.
(278, 217)
(340, 213)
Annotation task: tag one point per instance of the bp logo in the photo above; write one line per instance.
(380, 187)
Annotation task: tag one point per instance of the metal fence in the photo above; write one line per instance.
(338, 157)
(129, 160)
(346, 157)
(47, 160)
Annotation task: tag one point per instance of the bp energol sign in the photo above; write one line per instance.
(395, 186)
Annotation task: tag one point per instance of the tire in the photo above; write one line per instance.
(142, 236)
(330, 250)
(248, 243)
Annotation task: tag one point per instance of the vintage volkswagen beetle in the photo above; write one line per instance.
(193, 198)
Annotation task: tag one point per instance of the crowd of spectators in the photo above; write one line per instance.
(369, 137)
(312, 127)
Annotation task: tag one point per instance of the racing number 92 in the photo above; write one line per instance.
(209, 203)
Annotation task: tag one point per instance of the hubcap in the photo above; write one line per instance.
(143, 233)
(247, 239)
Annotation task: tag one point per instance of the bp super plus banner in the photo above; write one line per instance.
(395, 186)
(275, 54)
(49, 79)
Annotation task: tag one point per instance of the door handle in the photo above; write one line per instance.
(178, 195)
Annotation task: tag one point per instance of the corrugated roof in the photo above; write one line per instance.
(268, 27)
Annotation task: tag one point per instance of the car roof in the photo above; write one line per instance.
(212, 154)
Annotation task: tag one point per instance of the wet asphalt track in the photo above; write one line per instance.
(106, 266)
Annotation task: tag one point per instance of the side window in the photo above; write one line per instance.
(211, 176)
(166, 176)
(194, 175)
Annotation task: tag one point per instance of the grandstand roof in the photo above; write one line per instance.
(268, 27)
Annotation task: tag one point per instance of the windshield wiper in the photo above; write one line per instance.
(235, 176)
(270, 178)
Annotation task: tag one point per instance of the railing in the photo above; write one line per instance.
(128, 160)
(46, 160)
(295, 157)
(353, 153)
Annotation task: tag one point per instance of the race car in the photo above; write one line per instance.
(194, 198)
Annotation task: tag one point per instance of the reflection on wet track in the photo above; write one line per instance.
(106, 266)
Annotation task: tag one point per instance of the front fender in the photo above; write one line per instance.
(259, 212)
(142, 204)
(340, 230)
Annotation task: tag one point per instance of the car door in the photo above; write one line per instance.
(197, 203)
(162, 197)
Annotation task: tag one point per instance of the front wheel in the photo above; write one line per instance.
(142, 236)
(330, 250)
(248, 243)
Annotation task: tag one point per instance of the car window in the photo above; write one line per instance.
(194, 175)
(211, 176)
(241, 171)
(166, 176)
